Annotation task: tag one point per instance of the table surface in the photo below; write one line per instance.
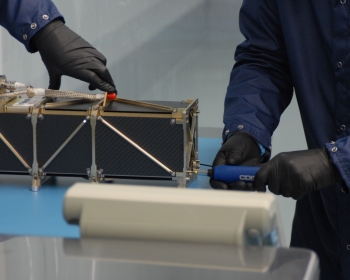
(37, 218)
(42, 258)
(24, 212)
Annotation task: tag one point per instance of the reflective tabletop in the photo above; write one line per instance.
(40, 258)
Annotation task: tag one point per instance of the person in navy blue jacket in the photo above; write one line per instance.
(40, 27)
(302, 46)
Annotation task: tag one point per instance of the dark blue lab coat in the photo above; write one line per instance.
(305, 45)
(23, 18)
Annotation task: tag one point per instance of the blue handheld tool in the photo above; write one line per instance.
(232, 173)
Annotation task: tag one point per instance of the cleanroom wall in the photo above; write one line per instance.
(1, 70)
(160, 50)
(156, 49)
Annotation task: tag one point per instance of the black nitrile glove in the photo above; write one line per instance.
(239, 149)
(66, 53)
(294, 174)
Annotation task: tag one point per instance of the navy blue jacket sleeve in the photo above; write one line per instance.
(23, 18)
(340, 154)
(260, 84)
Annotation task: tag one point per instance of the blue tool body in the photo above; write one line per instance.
(232, 173)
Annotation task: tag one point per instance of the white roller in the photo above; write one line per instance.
(163, 213)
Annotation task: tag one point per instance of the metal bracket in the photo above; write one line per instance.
(93, 172)
(145, 104)
(99, 175)
(190, 146)
(37, 174)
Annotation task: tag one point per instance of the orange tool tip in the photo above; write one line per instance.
(111, 95)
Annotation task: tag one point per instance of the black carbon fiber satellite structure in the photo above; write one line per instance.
(99, 140)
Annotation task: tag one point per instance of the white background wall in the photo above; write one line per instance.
(160, 49)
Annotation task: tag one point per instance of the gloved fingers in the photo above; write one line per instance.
(285, 192)
(262, 178)
(236, 186)
(220, 158)
(298, 196)
(106, 87)
(218, 185)
(69, 54)
(91, 87)
(240, 186)
(234, 158)
(55, 80)
(261, 189)
(94, 80)
(269, 175)
(238, 155)
(249, 187)
(99, 76)
(96, 54)
(241, 149)
(106, 77)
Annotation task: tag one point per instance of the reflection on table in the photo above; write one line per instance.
(56, 258)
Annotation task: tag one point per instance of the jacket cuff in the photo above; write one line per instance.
(262, 137)
(339, 153)
(41, 23)
(24, 29)
(265, 153)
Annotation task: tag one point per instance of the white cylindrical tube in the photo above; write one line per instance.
(39, 92)
(18, 85)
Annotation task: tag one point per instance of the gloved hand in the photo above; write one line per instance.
(66, 53)
(239, 149)
(294, 174)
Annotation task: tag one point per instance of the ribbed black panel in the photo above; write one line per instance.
(114, 155)
(155, 135)
(52, 131)
(18, 131)
(9, 161)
